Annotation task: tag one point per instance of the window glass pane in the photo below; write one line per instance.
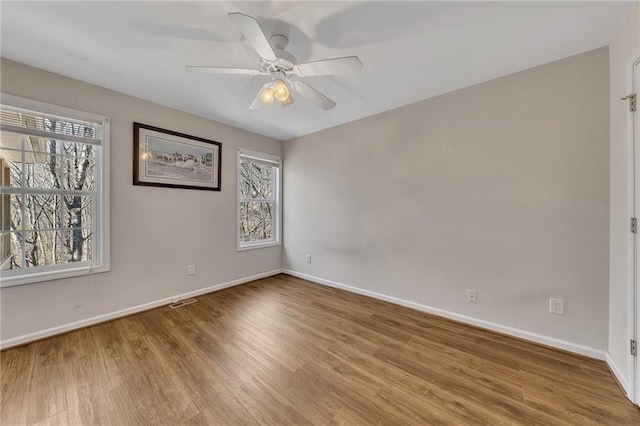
(42, 171)
(77, 245)
(256, 189)
(256, 180)
(244, 222)
(267, 220)
(255, 174)
(244, 179)
(42, 248)
(46, 171)
(15, 248)
(42, 145)
(257, 232)
(77, 149)
(256, 221)
(42, 212)
(5, 212)
(79, 173)
(35, 144)
(78, 211)
(267, 186)
(15, 212)
(267, 172)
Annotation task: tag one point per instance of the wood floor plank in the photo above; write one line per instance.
(285, 351)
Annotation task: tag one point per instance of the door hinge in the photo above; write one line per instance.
(632, 101)
(634, 225)
(634, 347)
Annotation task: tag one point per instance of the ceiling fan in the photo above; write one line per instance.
(281, 66)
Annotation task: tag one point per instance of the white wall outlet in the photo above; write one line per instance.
(472, 296)
(308, 258)
(191, 269)
(556, 306)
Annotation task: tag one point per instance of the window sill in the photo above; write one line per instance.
(259, 245)
(35, 277)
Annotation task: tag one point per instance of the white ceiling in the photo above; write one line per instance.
(411, 51)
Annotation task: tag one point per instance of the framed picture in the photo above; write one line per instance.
(165, 158)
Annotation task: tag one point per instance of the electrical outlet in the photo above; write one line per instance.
(308, 258)
(191, 269)
(556, 306)
(472, 296)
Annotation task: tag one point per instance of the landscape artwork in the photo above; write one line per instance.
(171, 159)
(177, 161)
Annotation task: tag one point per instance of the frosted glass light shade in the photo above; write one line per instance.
(281, 90)
(267, 95)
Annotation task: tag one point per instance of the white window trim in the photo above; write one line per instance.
(277, 234)
(102, 259)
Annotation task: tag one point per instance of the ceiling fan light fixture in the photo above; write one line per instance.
(281, 90)
(288, 101)
(280, 65)
(267, 95)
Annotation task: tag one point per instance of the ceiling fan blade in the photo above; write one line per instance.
(251, 30)
(224, 70)
(313, 95)
(344, 65)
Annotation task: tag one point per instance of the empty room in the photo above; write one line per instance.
(319, 212)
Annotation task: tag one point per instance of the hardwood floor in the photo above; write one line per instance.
(285, 351)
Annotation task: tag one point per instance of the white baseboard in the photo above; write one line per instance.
(619, 376)
(534, 337)
(19, 340)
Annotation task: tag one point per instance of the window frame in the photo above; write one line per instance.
(101, 261)
(277, 202)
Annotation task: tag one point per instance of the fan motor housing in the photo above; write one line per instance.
(286, 60)
(279, 41)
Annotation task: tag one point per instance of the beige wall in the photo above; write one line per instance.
(624, 48)
(501, 187)
(155, 232)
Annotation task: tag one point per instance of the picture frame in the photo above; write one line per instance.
(171, 159)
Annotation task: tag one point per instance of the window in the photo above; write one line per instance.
(53, 192)
(258, 200)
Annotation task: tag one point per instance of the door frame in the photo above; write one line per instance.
(633, 304)
(634, 317)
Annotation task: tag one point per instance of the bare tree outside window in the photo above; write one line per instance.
(48, 196)
(258, 191)
(54, 192)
